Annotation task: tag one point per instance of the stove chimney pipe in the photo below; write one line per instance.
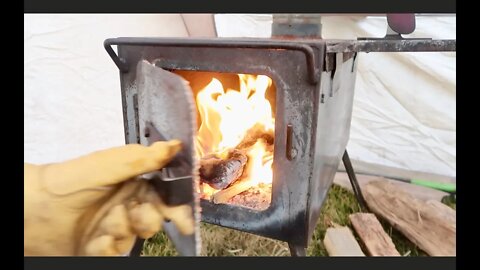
(297, 26)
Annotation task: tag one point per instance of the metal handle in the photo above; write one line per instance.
(121, 64)
(403, 23)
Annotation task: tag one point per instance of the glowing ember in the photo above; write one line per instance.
(226, 118)
(207, 190)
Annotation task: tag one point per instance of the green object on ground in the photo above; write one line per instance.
(447, 187)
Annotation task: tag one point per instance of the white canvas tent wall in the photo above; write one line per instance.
(403, 117)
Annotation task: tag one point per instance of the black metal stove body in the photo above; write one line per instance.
(314, 81)
(312, 121)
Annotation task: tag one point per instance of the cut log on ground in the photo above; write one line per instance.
(341, 242)
(224, 195)
(220, 173)
(445, 211)
(431, 227)
(376, 240)
(418, 192)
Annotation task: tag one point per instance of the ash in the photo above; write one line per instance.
(257, 198)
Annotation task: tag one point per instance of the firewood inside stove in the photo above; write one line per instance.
(224, 195)
(254, 135)
(221, 173)
(226, 174)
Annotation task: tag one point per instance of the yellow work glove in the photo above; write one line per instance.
(95, 205)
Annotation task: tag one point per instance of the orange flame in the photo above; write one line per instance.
(259, 167)
(227, 115)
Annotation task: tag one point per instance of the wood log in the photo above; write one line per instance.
(224, 195)
(253, 135)
(371, 232)
(445, 211)
(220, 173)
(341, 242)
(430, 226)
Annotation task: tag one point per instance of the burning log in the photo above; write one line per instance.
(226, 174)
(257, 133)
(224, 195)
(220, 173)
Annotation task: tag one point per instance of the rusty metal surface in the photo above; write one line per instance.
(307, 49)
(314, 118)
(159, 94)
(389, 45)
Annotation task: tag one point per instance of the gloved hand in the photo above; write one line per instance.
(95, 205)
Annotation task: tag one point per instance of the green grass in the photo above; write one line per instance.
(450, 201)
(218, 241)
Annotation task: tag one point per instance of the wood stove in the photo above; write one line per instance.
(313, 81)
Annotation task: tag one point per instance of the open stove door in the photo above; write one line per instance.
(166, 111)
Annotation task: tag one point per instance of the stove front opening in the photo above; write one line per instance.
(235, 139)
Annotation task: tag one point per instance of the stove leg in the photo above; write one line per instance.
(137, 248)
(297, 251)
(353, 181)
